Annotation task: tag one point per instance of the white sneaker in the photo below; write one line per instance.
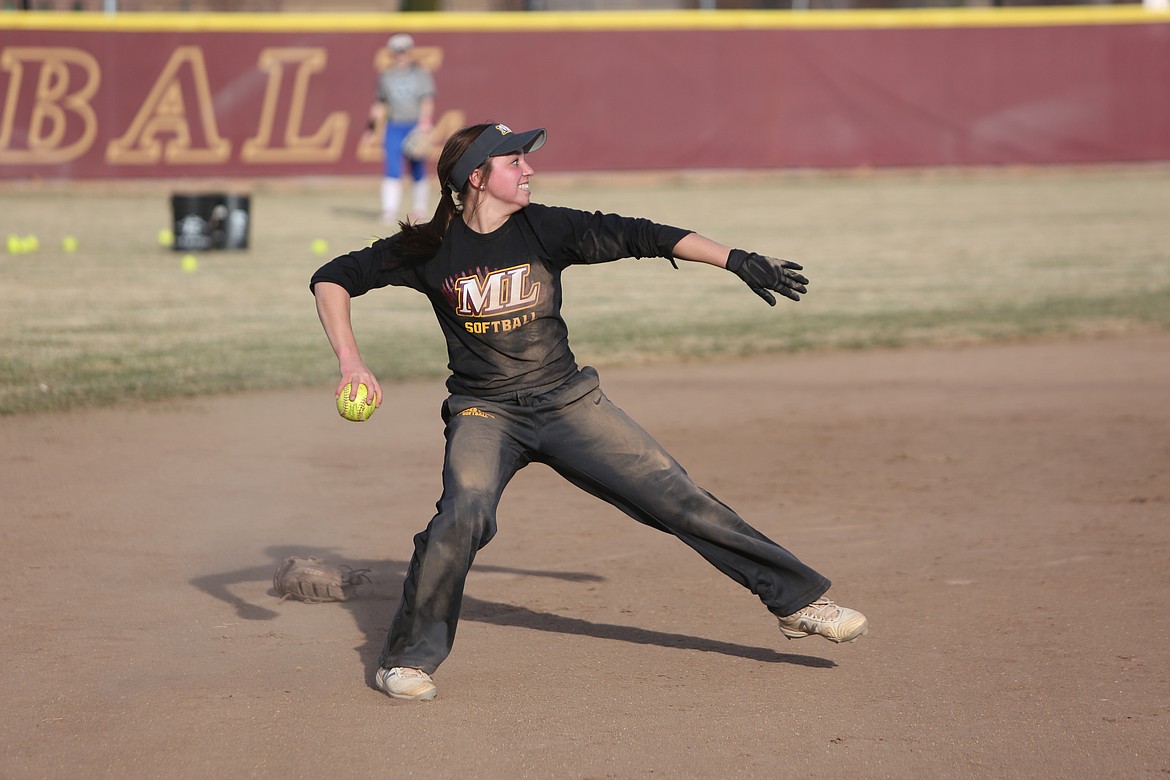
(403, 682)
(824, 617)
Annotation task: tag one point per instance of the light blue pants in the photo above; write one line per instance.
(392, 145)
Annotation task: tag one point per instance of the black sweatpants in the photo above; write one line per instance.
(588, 440)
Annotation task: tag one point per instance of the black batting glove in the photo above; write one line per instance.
(765, 274)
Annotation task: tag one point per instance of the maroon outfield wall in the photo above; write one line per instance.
(770, 93)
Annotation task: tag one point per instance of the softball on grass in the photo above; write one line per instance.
(357, 410)
(69, 244)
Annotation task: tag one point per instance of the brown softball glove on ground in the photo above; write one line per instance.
(313, 580)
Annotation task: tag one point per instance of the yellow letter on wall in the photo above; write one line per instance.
(44, 137)
(164, 113)
(323, 146)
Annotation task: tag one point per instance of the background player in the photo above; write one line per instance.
(490, 261)
(405, 99)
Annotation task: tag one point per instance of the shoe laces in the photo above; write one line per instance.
(407, 671)
(821, 609)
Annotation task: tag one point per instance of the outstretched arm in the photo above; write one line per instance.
(700, 249)
(763, 275)
(333, 308)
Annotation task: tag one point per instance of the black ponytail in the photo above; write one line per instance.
(421, 241)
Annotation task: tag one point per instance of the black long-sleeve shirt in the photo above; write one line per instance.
(497, 296)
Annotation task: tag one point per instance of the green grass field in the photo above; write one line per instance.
(895, 258)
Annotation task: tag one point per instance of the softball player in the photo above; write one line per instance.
(405, 95)
(490, 261)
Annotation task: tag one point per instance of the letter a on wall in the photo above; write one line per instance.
(162, 130)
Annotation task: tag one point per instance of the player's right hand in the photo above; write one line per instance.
(354, 373)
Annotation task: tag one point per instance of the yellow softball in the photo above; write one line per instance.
(357, 410)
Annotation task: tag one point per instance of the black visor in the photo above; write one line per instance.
(495, 141)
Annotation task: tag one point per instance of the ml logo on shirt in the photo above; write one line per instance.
(498, 292)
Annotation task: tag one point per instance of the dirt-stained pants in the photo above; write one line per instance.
(580, 433)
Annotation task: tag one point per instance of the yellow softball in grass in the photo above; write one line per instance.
(360, 408)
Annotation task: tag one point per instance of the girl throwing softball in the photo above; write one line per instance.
(490, 261)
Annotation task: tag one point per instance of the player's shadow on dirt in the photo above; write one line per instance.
(522, 617)
(374, 602)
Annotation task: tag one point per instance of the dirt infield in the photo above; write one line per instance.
(1000, 513)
